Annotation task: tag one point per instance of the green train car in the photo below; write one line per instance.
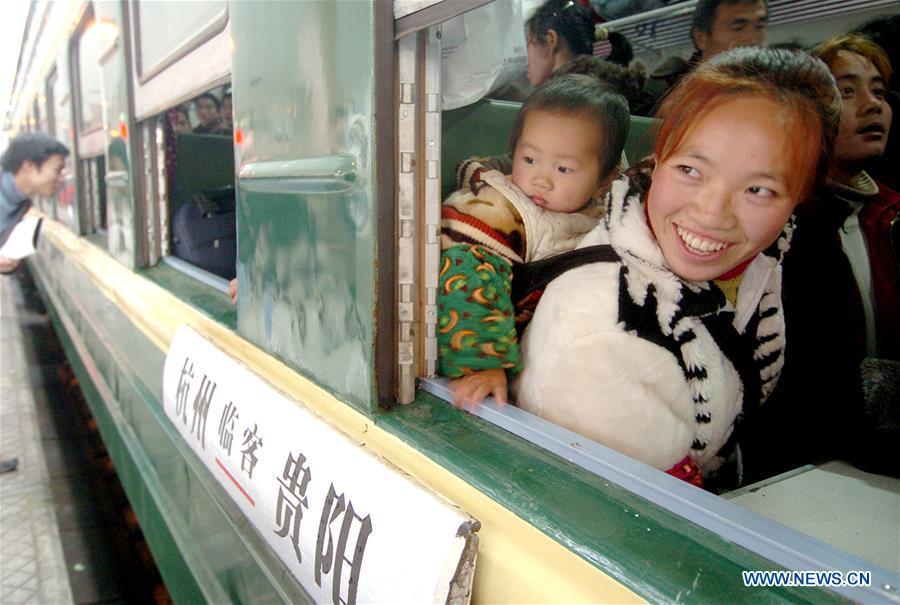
(296, 446)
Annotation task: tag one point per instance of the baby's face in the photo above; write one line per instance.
(555, 161)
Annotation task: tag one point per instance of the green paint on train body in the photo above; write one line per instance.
(204, 547)
(306, 249)
(652, 551)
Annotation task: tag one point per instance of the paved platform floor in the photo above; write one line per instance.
(32, 564)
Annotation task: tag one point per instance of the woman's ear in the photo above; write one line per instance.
(552, 41)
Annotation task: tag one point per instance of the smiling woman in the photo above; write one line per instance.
(684, 328)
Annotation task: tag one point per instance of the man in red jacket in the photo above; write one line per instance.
(838, 392)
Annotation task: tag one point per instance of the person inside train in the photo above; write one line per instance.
(181, 121)
(655, 348)
(207, 107)
(227, 113)
(566, 142)
(33, 164)
(838, 395)
(558, 31)
(883, 32)
(716, 26)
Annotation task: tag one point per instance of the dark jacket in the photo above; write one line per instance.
(13, 205)
(667, 75)
(818, 412)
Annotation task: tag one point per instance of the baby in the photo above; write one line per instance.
(566, 143)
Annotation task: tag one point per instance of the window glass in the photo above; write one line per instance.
(49, 103)
(39, 115)
(166, 26)
(65, 133)
(91, 45)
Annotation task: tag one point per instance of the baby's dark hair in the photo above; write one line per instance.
(585, 97)
(34, 147)
(569, 19)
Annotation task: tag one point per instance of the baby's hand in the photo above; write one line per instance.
(472, 389)
(232, 291)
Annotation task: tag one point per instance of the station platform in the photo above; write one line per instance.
(58, 542)
(32, 564)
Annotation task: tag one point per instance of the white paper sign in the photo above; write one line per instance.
(350, 527)
(22, 239)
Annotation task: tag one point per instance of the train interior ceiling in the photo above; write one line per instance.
(159, 125)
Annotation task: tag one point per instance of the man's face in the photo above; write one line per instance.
(865, 115)
(741, 24)
(227, 115)
(206, 110)
(44, 179)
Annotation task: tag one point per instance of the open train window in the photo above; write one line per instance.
(181, 68)
(428, 146)
(197, 213)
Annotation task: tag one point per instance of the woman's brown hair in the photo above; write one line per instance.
(801, 85)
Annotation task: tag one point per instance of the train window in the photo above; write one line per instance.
(427, 137)
(59, 100)
(166, 31)
(91, 45)
(197, 215)
(39, 115)
(48, 102)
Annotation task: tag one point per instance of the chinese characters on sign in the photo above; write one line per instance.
(350, 527)
(333, 556)
(292, 500)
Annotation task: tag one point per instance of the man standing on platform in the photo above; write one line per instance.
(32, 165)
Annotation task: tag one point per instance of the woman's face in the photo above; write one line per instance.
(723, 195)
(540, 59)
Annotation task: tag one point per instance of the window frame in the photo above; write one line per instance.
(196, 68)
(200, 64)
(209, 31)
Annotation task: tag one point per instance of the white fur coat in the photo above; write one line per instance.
(633, 357)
